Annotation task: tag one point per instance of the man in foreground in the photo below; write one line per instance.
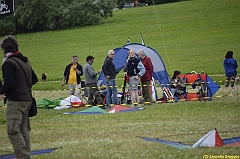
(18, 81)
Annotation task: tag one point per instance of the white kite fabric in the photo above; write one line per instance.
(68, 102)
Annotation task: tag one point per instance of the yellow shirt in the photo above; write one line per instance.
(72, 75)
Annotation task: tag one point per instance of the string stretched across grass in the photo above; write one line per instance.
(211, 139)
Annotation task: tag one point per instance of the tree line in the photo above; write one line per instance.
(44, 15)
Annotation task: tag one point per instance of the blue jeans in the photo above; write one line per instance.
(111, 92)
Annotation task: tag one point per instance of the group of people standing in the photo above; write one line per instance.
(19, 77)
(136, 69)
(139, 70)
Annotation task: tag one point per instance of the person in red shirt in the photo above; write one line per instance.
(147, 77)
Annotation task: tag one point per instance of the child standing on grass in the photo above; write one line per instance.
(230, 66)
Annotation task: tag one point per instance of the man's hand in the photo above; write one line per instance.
(136, 77)
(107, 77)
(78, 72)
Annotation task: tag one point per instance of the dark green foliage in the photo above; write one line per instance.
(32, 15)
(7, 25)
(43, 15)
(83, 13)
(165, 1)
(148, 2)
(107, 7)
(120, 3)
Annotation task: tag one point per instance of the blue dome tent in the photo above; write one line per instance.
(160, 74)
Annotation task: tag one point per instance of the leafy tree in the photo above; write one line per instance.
(149, 2)
(31, 16)
(83, 13)
(107, 7)
(56, 12)
(41, 15)
(7, 25)
(120, 3)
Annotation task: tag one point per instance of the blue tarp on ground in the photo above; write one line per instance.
(36, 152)
(131, 110)
(122, 109)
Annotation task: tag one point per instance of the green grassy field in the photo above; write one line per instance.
(191, 35)
(115, 135)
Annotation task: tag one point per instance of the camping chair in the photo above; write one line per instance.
(167, 94)
(203, 90)
(86, 95)
(84, 92)
(174, 96)
(199, 82)
(181, 95)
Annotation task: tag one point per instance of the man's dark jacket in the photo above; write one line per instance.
(67, 72)
(15, 85)
(109, 69)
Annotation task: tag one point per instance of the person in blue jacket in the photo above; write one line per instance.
(135, 69)
(230, 66)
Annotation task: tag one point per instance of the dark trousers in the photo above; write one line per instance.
(147, 95)
(18, 127)
(230, 80)
(93, 94)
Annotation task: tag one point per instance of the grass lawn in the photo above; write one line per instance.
(189, 36)
(115, 135)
